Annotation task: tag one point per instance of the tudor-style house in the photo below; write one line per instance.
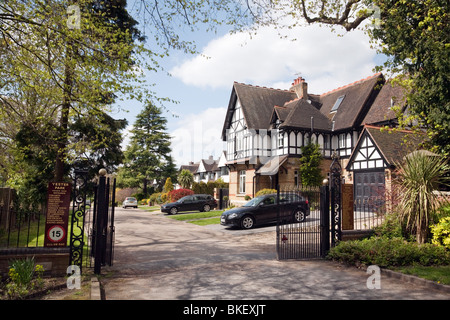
(265, 129)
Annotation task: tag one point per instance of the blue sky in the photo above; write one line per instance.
(202, 83)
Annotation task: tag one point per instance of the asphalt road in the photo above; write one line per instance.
(158, 258)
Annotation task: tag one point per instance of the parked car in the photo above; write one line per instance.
(263, 209)
(130, 202)
(201, 202)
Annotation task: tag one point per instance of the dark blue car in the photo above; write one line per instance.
(264, 209)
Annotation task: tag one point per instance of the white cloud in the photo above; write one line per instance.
(325, 59)
(198, 136)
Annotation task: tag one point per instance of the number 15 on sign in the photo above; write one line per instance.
(56, 233)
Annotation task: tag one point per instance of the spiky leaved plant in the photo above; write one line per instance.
(417, 178)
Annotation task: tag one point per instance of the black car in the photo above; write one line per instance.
(201, 202)
(263, 209)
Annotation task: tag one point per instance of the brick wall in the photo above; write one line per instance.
(54, 261)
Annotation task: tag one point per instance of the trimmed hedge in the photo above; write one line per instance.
(389, 252)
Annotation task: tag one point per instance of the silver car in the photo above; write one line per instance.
(130, 202)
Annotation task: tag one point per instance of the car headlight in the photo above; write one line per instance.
(233, 216)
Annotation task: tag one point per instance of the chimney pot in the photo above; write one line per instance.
(300, 87)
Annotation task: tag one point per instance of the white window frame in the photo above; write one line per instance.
(242, 175)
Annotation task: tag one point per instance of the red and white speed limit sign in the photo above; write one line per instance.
(56, 233)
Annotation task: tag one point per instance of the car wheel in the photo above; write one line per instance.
(299, 216)
(206, 207)
(247, 222)
(173, 210)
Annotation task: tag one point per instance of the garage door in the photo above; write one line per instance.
(369, 189)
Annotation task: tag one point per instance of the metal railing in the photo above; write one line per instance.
(21, 225)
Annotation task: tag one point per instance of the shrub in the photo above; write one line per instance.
(175, 195)
(417, 179)
(155, 199)
(164, 197)
(441, 233)
(265, 191)
(23, 277)
(386, 252)
(168, 186)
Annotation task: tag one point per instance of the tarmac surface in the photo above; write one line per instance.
(157, 258)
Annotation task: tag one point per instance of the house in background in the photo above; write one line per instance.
(265, 128)
(208, 169)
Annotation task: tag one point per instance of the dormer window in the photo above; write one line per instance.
(337, 103)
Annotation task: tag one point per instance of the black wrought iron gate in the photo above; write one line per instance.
(307, 237)
(312, 236)
(92, 223)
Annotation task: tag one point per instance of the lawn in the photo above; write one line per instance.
(439, 274)
(204, 222)
(196, 215)
(32, 233)
(200, 218)
(149, 208)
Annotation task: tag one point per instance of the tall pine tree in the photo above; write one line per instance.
(148, 155)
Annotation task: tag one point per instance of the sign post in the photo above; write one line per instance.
(58, 202)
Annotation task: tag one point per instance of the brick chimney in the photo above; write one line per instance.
(300, 87)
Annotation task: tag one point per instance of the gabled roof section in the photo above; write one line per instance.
(280, 113)
(300, 116)
(257, 104)
(192, 167)
(354, 106)
(393, 144)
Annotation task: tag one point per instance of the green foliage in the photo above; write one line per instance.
(310, 172)
(168, 186)
(265, 191)
(23, 277)
(388, 252)
(204, 188)
(56, 85)
(414, 37)
(441, 233)
(147, 157)
(391, 227)
(185, 178)
(418, 177)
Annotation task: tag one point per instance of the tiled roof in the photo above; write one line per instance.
(380, 110)
(395, 144)
(358, 97)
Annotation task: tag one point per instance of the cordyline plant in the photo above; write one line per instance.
(418, 179)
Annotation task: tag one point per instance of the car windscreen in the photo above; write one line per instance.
(254, 202)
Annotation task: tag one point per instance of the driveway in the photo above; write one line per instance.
(161, 258)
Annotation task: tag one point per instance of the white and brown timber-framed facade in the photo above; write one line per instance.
(265, 128)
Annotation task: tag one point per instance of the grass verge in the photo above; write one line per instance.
(439, 274)
(196, 215)
(204, 222)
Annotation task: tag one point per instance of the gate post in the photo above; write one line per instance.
(324, 219)
(101, 205)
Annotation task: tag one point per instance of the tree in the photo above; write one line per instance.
(310, 172)
(418, 177)
(168, 186)
(415, 37)
(185, 178)
(52, 72)
(147, 156)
